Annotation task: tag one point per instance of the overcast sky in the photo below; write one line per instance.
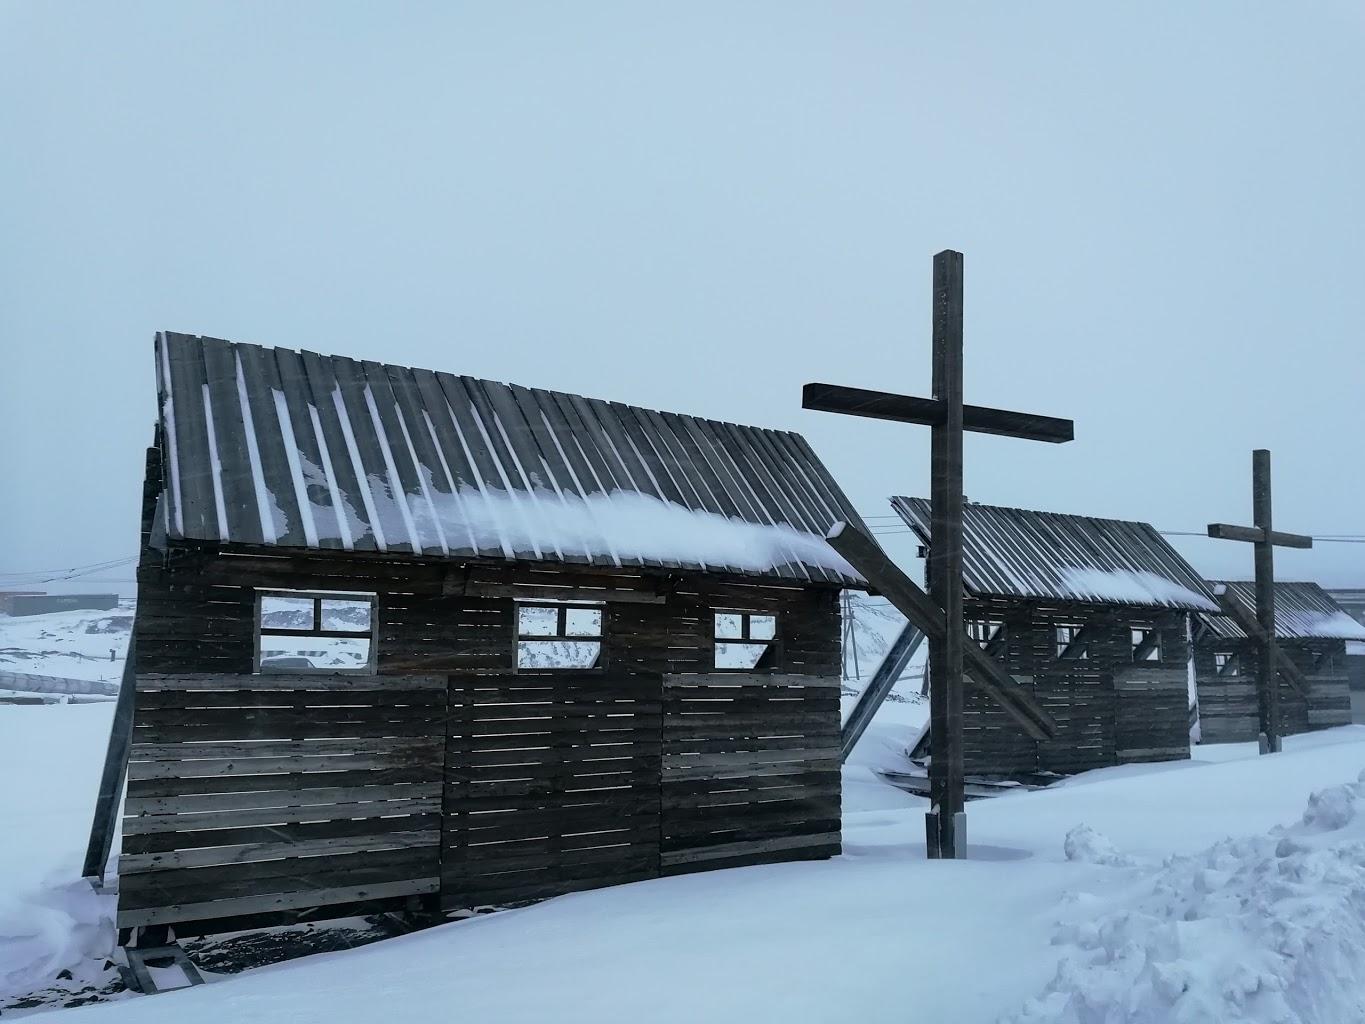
(699, 208)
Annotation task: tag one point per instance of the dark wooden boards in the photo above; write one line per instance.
(551, 785)
(255, 793)
(449, 775)
(1108, 708)
(1228, 711)
(750, 770)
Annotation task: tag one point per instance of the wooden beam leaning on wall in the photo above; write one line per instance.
(860, 551)
(1252, 628)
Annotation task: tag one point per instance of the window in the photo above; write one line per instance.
(1146, 644)
(559, 636)
(745, 641)
(983, 631)
(1226, 664)
(300, 631)
(1066, 638)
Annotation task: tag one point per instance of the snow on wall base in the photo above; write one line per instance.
(63, 927)
(1267, 929)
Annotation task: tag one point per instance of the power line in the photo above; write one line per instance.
(90, 569)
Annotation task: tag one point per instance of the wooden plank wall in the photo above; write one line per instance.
(251, 794)
(549, 782)
(551, 785)
(751, 761)
(1227, 704)
(1108, 709)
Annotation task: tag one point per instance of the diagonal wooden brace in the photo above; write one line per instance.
(861, 552)
(1252, 628)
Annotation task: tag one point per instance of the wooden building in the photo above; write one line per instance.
(1310, 627)
(404, 637)
(1090, 616)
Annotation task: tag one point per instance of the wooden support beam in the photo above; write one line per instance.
(903, 648)
(860, 551)
(880, 405)
(114, 773)
(1248, 624)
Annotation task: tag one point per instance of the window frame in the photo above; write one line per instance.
(1231, 655)
(561, 624)
(1147, 633)
(259, 630)
(1060, 647)
(990, 630)
(773, 653)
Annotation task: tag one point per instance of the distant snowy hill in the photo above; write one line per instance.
(76, 645)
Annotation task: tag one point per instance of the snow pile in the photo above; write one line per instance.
(615, 525)
(1266, 929)
(1134, 587)
(64, 926)
(1336, 625)
(1084, 845)
(50, 918)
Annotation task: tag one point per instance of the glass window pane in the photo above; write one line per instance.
(287, 612)
(533, 620)
(739, 655)
(583, 621)
(762, 627)
(340, 613)
(558, 654)
(295, 653)
(729, 625)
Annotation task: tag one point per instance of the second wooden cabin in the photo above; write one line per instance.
(1089, 615)
(1310, 628)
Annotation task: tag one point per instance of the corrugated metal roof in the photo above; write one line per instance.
(1014, 552)
(1303, 611)
(297, 450)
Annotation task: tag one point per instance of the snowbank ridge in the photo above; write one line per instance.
(1268, 930)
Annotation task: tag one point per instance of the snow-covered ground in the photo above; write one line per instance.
(75, 645)
(1226, 888)
(1161, 894)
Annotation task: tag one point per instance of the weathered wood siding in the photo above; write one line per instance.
(1109, 709)
(250, 794)
(1227, 703)
(544, 782)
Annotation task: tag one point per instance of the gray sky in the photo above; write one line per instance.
(699, 208)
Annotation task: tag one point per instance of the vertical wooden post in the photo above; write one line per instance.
(1268, 688)
(115, 771)
(945, 564)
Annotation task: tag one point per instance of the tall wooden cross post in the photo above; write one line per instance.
(1265, 540)
(947, 417)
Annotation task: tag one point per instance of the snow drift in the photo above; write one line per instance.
(1268, 929)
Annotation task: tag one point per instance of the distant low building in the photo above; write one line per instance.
(29, 602)
(1311, 628)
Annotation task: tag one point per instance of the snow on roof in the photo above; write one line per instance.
(1012, 552)
(297, 450)
(1303, 611)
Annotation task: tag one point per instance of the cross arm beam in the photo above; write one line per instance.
(861, 552)
(1247, 621)
(881, 405)
(1256, 535)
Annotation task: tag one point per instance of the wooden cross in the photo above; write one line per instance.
(1262, 631)
(939, 613)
